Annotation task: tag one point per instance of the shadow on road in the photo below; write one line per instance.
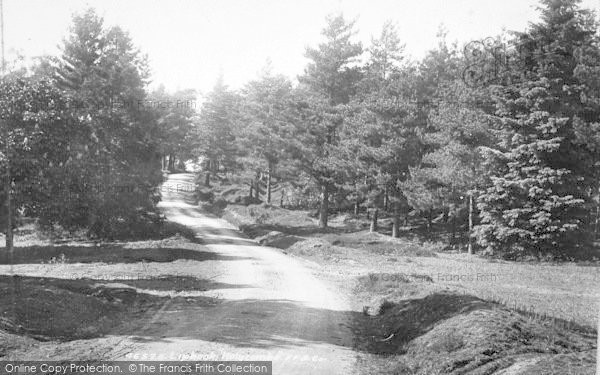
(65, 309)
(263, 324)
(107, 254)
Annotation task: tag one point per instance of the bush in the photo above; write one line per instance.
(246, 200)
(385, 306)
(202, 195)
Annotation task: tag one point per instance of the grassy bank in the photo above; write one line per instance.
(77, 299)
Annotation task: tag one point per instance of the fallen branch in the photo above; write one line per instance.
(387, 338)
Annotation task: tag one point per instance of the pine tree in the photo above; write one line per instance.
(380, 141)
(214, 132)
(174, 115)
(265, 110)
(453, 168)
(417, 186)
(386, 54)
(333, 70)
(540, 195)
(109, 184)
(372, 134)
(332, 77)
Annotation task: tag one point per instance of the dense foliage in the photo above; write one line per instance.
(499, 139)
(502, 141)
(91, 145)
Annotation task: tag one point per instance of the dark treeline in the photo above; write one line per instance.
(79, 158)
(500, 136)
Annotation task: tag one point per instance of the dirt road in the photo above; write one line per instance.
(272, 307)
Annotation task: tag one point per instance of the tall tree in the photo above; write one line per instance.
(266, 111)
(381, 132)
(333, 71)
(332, 75)
(386, 53)
(386, 94)
(453, 167)
(175, 113)
(438, 70)
(214, 128)
(539, 199)
(36, 133)
(111, 179)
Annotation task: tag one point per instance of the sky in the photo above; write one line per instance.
(191, 42)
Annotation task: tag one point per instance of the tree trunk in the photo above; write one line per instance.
(373, 228)
(9, 243)
(324, 211)
(453, 223)
(171, 162)
(257, 188)
(470, 249)
(598, 348)
(386, 198)
(597, 223)
(8, 187)
(9, 216)
(207, 179)
(429, 219)
(396, 226)
(250, 193)
(269, 185)
(356, 200)
(333, 200)
(281, 199)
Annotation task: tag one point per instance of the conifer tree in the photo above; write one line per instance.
(332, 77)
(539, 198)
(215, 125)
(266, 114)
(109, 185)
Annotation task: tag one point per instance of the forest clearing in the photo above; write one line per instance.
(355, 205)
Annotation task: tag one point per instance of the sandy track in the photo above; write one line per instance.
(274, 308)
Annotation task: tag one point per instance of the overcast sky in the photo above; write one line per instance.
(190, 42)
